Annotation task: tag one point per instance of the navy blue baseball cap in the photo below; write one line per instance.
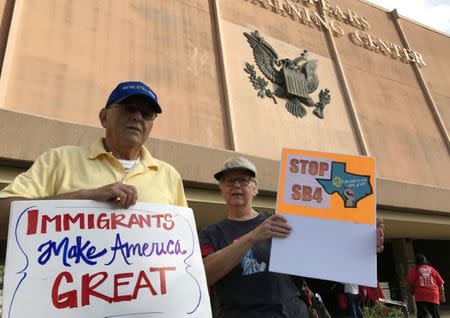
(127, 89)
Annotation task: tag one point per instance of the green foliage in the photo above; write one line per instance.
(381, 310)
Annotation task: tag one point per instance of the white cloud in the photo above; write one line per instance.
(434, 13)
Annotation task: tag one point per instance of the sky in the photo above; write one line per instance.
(433, 13)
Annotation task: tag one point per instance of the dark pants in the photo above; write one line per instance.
(294, 308)
(353, 306)
(425, 308)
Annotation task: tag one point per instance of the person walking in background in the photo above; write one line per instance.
(352, 293)
(427, 286)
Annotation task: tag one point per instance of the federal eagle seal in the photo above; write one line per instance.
(295, 79)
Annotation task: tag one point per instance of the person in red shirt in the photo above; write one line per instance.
(427, 286)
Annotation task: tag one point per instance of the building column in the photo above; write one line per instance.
(404, 261)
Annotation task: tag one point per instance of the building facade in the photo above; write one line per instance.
(380, 81)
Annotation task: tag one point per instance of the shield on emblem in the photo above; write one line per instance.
(295, 83)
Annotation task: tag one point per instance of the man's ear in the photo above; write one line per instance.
(102, 116)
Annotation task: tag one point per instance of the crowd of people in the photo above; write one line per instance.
(118, 168)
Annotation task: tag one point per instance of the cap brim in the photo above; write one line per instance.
(151, 100)
(220, 174)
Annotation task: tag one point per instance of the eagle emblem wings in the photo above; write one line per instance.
(294, 79)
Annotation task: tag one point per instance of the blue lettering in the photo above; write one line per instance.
(77, 252)
(127, 250)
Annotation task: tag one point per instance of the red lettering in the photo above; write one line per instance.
(46, 219)
(134, 220)
(162, 276)
(294, 168)
(304, 163)
(307, 193)
(169, 222)
(317, 196)
(313, 167)
(91, 282)
(32, 218)
(158, 220)
(116, 219)
(296, 192)
(87, 290)
(67, 219)
(91, 223)
(139, 285)
(67, 299)
(117, 283)
(37, 222)
(103, 221)
(323, 166)
(145, 219)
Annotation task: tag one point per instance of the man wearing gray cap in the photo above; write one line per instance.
(117, 168)
(236, 253)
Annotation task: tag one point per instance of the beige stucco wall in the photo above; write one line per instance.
(6, 9)
(251, 14)
(66, 56)
(435, 46)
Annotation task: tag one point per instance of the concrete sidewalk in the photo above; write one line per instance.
(444, 312)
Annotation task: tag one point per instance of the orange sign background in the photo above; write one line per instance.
(364, 212)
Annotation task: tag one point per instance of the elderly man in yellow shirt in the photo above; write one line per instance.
(117, 168)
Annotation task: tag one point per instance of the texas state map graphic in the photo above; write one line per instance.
(350, 187)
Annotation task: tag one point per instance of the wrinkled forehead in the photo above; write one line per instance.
(236, 173)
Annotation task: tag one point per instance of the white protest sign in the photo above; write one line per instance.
(86, 259)
(329, 201)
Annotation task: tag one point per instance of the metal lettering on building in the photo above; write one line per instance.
(333, 19)
(295, 79)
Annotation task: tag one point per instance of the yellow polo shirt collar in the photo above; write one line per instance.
(97, 149)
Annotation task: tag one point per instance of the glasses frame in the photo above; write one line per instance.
(133, 107)
(229, 182)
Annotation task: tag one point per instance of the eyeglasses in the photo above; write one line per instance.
(146, 112)
(243, 181)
